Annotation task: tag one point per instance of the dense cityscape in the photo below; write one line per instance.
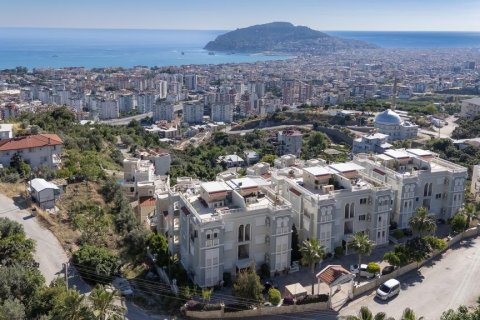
(328, 185)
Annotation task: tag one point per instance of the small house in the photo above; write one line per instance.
(44, 193)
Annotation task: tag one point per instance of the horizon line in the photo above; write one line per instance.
(202, 29)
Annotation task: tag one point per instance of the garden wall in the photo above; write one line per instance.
(265, 311)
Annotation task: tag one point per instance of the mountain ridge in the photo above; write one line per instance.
(282, 37)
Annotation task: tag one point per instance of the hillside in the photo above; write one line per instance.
(281, 37)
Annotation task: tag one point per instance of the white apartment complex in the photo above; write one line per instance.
(163, 111)
(193, 112)
(222, 113)
(470, 108)
(419, 178)
(229, 226)
(289, 142)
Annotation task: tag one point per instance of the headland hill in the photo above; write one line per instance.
(282, 37)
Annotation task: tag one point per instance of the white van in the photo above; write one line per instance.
(389, 289)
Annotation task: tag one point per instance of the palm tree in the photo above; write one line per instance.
(421, 223)
(361, 244)
(312, 253)
(366, 314)
(74, 307)
(103, 303)
(470, 211)
(408, 314)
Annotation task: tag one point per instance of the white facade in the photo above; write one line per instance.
(36, 150)
(107, 109)
(374, 142)
(389, 122)
(475, 186)
(470, 108)
(6, 131)
(419, 179)
(229, 226)
(290, 142)
(222, 113)
(193, 112)
(163, 111)
(162, 89)
(145, 102)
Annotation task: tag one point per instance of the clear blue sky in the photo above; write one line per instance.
(431, 15)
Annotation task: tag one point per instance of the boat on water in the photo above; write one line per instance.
(211, 53)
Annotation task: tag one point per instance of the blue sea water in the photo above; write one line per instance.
(111, 48)
(414, 39)
(43, 47)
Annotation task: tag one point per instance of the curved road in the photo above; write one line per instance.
(51, 256)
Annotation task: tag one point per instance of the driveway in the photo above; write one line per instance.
(444, 283)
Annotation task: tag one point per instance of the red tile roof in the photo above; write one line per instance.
(295, 191)
(33, 141)
(146, 202)
(332, 273)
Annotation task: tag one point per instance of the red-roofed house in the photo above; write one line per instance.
(37, 150)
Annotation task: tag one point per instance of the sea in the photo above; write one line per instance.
(95, 48)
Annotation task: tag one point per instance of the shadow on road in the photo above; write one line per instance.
(20, 202)
(28, 217)
(413, 278)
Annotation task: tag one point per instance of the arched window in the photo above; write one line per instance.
(241, 231)
(347, 210)
(352, 210)
(247, 232)
(425, 190)
(209, 234)
(430, 189)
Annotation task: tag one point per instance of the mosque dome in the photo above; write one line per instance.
(388, 117)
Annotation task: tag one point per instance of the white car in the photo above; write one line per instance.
(362, 271)
(389, 289)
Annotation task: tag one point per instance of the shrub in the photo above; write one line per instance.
(458, 223)
(274, 296)
(313, 299)
(373, 267)
(398, 234)
(435, 243)
(339, 251)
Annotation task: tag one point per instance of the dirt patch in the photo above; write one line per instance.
(12, 190)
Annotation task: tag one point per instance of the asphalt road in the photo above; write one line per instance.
(125, 121)
(444, 283)
(51, 256)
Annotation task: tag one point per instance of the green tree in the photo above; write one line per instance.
(361, 245)
(462, 313)
(421, 223)
(366, 314)
(409, 314)
(373, 267)
(471, 212)
(312, 253)
(458, 223)
(12, 309)
(247, 285)
(96, 263)
(158, 246)
(207, 294)
(274, 296)
(19, 282)
(392, 259)
(268, 158)
(103, 304)
(73, 307)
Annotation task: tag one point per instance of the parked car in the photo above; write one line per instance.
(361, 271)
(387, 270)
(388, 289)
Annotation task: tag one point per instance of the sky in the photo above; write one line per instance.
(351, 15)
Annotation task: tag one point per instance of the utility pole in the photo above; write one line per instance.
(65, 268)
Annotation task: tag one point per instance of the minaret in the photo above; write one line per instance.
(394, 96)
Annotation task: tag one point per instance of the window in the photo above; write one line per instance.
(247, 232)
(438, 196)
(362, 217)
(241, 231)
(347, 210)
(379, 218)
(352, 210)
(363, 201)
